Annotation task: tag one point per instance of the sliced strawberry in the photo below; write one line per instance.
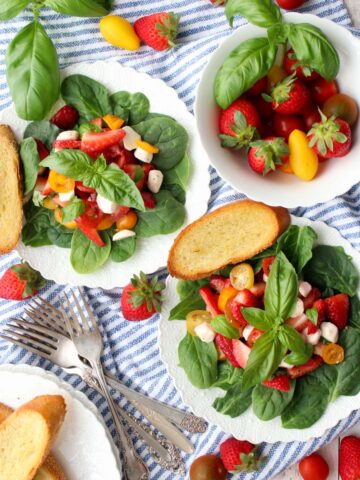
(308, 367)
(309, 301)
(337, 310)
(80, 186)
(65, 118)
(280, 382)
(89, 231)
(70, 144)
(266, 264)
(311, 328)
(247, 299)
(149, 199)
(126, 157)
(97, 121)
(218, 282)
(299, 323)
(112, 153)
(99, 141)
(258, 289)
(254, 335)
(226, 346)
(211, 300)
(320, 306)
(42, 150)
(241, 352)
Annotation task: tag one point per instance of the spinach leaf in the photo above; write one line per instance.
(222, 326)
(245, 65)
(331, 267)
(169, 136)
(348, 380)
(228, 375)
(123, 249)
(186, 288)
(38, 220)
(262, 13)
(166, 217)
(133, 106)
(80, 8)
(86, 256)
(235, 402)
(73, 209)
(199, 360)
(313, 48)
(179, 174)
(354, 319)
(44, 131)
(60, 235)
(297, 244)
(193, 302)
(32, 72)
(269, 403)
(176, 191)
(11, 8)
(89, 97)
(30, 163)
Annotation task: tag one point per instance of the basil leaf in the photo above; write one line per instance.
(228, 375)
(264, 359)
(269, 403)
(30, 163)
(73, 209)
(199, 360)
(297, 243)
(354, 319)
(312, 315)
(11, 8)
(86, 256)
(189, 304)
(245, 65)
(299, 358)
(32, 72)
(281, 288)
(78, 8)
(131, 107)
(89, 97)
(235, 402)
(60, 235)
(278, 33)
(186, 288)
(262, 13)
(122, 250)
(291, 339)
(331, 267)
(71, 163)
(169, 136)
(313, 48)
(222, 326)
(38, 220)
(44, 131)
(166, 217)
(257, 318)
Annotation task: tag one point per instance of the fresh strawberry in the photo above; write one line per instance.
(42, 150)
(226, 346)
(239, 124)
(97, 121)
(218, 2)
(211, 300)
(247, 299)
(264, 108)
(254, 335)
(265, 156)
(20, 282)
(99, 141)
(349, 458)
(70, 144)
(308, 367)
(258, 88)
(311, 298)
(292, 65)
(331, 137)
(119, 213)
(65, 118)
(86, 225)
(239, 456)
(311, 328)
(241, 353)
(149, 199)
(126, 157)
(81, 187)
(266, 264)
(258, 289)
(141, 298)
(337, 310)
(299, 323)
(112, 154)
(279, 382)
(290, 96)
(158, 30)
(218, 282)
(320, 307)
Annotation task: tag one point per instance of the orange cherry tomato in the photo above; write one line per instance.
(105, 223)
(59, 183)
(127, 222)
(333, 354)
(226, 294)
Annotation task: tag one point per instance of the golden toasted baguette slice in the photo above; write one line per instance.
(10, 191)
(230, 234)
(50, 469)
(27, 435)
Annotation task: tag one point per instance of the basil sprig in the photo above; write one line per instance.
(73, 209)
(262, 13)
(222, 326)
(270, 349)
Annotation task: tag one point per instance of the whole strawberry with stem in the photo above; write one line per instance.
(292, 65)
(349, 458)
(331, 137)
(239, 456)
(158, 30)
(239, 124)
(290, 96)
(141, 298)
(264, 156)
(20, 282)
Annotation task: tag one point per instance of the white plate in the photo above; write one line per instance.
(151, 253)
(247, 426)
(83, 446)
(336, 176)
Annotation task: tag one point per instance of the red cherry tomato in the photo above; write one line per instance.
(314, 467)
(322, 89)
(310, 117)
(290, 4)
(285, 124)
(259, 88)
(208, 467)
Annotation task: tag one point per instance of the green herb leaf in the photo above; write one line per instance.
(35, 230)
(179, 174)
(228, 375)
(86, 256)
(60, 235)
(73, 209)
(235, 402)
(44, 131)
(11, 8)
(187, 305)
(30, 163)
(354, 318)
(88, 127)
(222, 326)
(122, 250)
(131, 107)
(299, 358)
(262, 13)
(80, 8)
(297, 243)
(312, 315)
(186, 288)
(269, 403)
(257, 318)
(291, 339)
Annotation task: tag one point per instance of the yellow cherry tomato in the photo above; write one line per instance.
(58, 217)
(127, 222)
(226, 294)
(275, 75)
(242, 276)
(333, 354)
(196, 318)
(286, 168)
(105, 223)
(59, 183)
(49, 203)
(147, 146)
(303, 159)
(119, 32)
(113, 121)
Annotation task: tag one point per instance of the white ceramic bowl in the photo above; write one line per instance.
(335, 177)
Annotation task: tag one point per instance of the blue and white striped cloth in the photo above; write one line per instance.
(131, 350)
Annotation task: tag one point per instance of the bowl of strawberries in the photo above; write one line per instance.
(277, 106)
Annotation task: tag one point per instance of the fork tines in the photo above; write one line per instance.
(88, 322)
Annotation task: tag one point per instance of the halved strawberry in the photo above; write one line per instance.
(126, 157)
(99, 141)
(112, 153)
(337, 310)
(254, 335)
(226, 346)
(258, 289)
(266, 264)
(241, 352)
(149, 199)
(247, 299)
(68, 144)
(42, 150)
(218, 282)
(308, 367)
(299, 323)
(211, 300)
(279, 382)
(309, 301)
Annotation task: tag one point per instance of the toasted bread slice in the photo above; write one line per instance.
(27, 435)
(230, 234)
(10, 191)
(50, 469)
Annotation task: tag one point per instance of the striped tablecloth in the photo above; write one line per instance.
(131, 350)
